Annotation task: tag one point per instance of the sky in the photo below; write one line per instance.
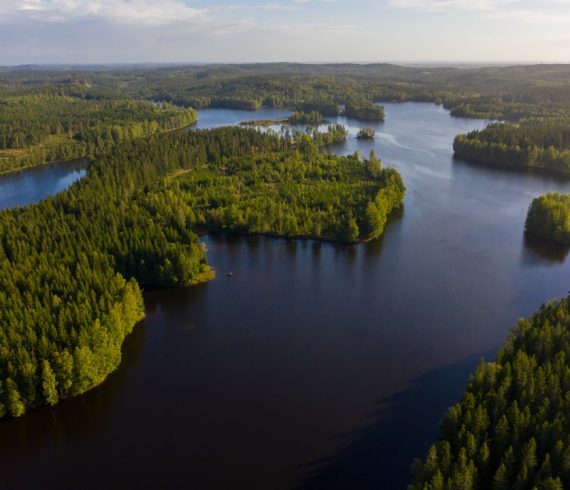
(174, 31)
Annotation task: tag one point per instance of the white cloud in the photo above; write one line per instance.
(443, 5)
(277, 6)
(536, 11)
(88, 31)
(146, 12)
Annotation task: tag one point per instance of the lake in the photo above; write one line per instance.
(34, 184)
(314, 366)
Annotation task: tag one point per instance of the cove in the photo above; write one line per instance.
(314, 365)
(34, 184)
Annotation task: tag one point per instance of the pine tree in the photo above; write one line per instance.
(49, 384)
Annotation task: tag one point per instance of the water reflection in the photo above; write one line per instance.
(537, 250)
(377, 456)
(510, 170)
(73, 423)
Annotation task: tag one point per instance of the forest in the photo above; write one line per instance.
(72, 267)
(549, 217)
(510, 93)
(299, 194)
(313, 118)
(537, 144)
(42, 128)
(511, 429)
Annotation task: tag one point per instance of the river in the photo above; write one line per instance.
(314, 366)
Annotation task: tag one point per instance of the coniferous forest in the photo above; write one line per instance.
(511, 428)
(42, 128)
(537, 145)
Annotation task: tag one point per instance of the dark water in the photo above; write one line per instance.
(313, 366)
(35, 184)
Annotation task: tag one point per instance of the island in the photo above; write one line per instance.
(313, 118)
(549, 217)
(366, 134)
(364, 112)
(543, 145)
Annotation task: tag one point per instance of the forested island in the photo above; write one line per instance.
(366, 134)
(72, 266)
(549, 217)
(543, 145)
(301, 193)
(313, 118)
(511, 428)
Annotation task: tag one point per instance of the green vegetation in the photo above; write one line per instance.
(293, 193)
(511, 428)
(70, 267)
(511, 93)
(543, 145)
(364, 112)
(335, 133)
(36, 129)
(313, 118)
(549, 217)
(366, 134)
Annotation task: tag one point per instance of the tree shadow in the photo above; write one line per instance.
(379, 456)
(543, 174)
(541, 250)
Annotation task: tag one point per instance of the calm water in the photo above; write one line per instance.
(314, 366)
(33, 185)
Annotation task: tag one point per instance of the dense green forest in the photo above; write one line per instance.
(298, 193)
(511, 430)
(509, 93)
(71, 267)
(313, 118)
(536, 144)
(36, 129)
(549, 217)
(364, 112)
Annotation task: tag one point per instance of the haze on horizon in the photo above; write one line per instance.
(177, 31)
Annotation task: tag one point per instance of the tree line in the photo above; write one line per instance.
(511, 429)
(42, 128)
(544, 145)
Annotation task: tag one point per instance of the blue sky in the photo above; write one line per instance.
(117, 31)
